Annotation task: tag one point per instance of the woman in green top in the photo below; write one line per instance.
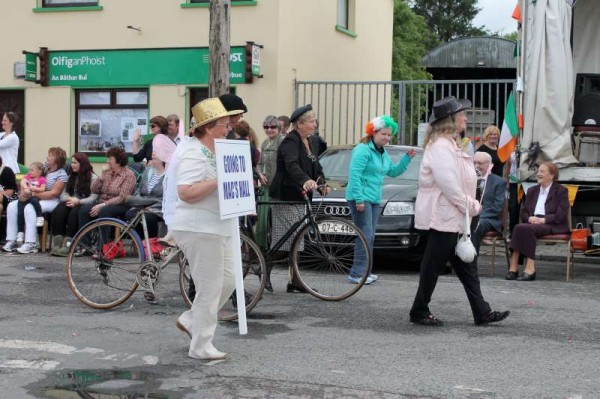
(369, 165)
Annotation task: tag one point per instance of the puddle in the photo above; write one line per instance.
(105, 384)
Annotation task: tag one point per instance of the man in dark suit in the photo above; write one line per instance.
(494, 192)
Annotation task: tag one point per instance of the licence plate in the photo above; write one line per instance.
(335, 228)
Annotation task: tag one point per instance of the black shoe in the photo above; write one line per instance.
(268, 286)
(430, 320)
(292, 287)
(149, 296)
(526, 277)
(511, 275)
(493, 317)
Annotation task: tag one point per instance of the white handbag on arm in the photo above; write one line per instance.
(465, 249)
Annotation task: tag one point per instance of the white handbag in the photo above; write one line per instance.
(465, 249)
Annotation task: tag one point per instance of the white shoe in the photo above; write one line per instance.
(39, 221)
(20, 238)
(28, 248)
(10, 246)
(374, 277)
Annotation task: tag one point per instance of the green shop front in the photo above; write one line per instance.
(112, 88)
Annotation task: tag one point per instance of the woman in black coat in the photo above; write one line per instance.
(298, 169)
(544, 212)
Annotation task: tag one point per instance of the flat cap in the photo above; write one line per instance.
(231, 102)
(299, 112)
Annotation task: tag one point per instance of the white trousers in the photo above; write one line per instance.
(211, 267)
(30, 216)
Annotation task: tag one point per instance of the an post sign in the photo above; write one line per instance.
(30, 67)
(255, 60)
(140, 67)
(235, 180)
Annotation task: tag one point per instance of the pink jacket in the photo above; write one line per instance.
(447, 182)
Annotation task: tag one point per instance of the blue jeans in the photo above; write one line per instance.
(367, 222)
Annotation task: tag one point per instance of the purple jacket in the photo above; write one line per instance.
(556, 207)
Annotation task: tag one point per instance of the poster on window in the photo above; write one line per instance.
(101, 129)
(130, 125)
(90, 128)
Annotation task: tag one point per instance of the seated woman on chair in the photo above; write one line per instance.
(150, 187)
(544, 212)
(113, 186)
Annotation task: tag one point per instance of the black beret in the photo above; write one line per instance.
(299, 112)
(231, 102)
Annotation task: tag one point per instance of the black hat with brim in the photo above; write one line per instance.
(446, 107)
(299, 112)
(231, 102)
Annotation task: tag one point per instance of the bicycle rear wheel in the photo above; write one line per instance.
(102, 264)
(322, 258)
(254, 269)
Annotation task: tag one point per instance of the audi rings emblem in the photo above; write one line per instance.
(332, 210)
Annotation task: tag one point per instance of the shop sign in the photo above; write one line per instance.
(140, 67)
(255, 60)
(30, 67)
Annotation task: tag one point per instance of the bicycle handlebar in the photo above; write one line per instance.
(319, 188)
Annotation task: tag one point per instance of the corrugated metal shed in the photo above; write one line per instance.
(473, 52)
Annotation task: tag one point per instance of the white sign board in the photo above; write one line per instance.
(234, 176)
(236, 198)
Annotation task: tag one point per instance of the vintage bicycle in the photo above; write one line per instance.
(108, 261)
(322, 252)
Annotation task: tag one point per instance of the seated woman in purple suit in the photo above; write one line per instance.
(543, 213)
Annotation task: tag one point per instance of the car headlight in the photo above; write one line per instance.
(399, 208)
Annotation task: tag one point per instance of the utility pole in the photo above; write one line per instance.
(219, 47)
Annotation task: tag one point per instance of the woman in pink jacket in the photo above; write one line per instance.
(447, 184)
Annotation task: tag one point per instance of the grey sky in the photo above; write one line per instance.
(495, 15)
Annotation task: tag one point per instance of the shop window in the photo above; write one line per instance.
(109, 118)
(69, 3)
(345, 17)
(206, 3)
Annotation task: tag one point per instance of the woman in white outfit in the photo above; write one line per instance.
(203, 237)
(9, 141)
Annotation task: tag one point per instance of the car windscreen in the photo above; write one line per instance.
(336, 164)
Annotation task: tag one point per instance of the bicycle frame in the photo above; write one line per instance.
(130, 227)
(309, 217)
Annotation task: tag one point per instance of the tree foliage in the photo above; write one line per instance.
(411, 36)
(449, 19)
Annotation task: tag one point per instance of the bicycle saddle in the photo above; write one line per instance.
(140, 202)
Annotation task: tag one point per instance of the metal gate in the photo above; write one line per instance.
(344, 108)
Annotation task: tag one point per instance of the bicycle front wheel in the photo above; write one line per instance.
(254, 269)
(102, 264)
(322, 255)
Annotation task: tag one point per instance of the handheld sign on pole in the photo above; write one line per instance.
(236, 198)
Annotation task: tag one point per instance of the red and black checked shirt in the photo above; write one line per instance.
(113, 188)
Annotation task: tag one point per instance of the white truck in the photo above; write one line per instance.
(560, 51)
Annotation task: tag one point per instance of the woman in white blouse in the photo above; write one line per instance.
(203, 237)
(9, 141)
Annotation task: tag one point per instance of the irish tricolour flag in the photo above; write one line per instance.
(508, 135)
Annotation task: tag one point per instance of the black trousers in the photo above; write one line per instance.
(64, 220)
(440, 249)
(107, 211)
(35, 203)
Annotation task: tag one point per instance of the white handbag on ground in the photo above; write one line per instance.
(465, 249)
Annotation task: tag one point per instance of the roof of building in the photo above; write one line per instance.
(473, 52)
